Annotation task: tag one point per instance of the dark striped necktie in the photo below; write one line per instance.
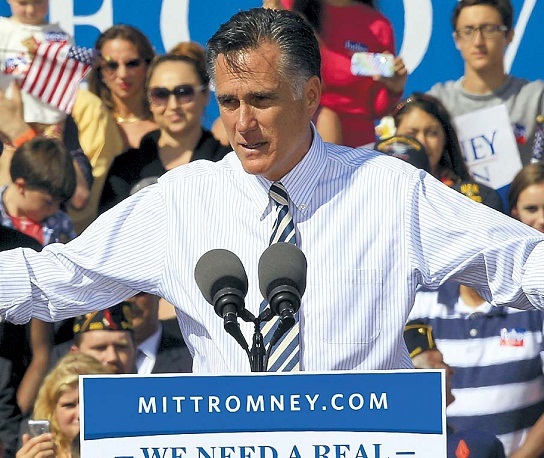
(285, 356)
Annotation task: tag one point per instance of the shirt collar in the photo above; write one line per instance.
(302, 180)
(150, 345)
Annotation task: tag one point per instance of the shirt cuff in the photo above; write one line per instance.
(532, 282)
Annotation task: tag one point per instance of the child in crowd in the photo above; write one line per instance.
(20, 35)
(43, 177)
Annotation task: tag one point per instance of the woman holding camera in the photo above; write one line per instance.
(57, 405)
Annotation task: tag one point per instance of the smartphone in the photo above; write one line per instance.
(372, 63)
(38, 427)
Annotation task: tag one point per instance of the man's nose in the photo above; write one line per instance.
(246, 119)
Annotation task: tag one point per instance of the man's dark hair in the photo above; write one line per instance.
(504, 7)
(46, 166)
(248, 30)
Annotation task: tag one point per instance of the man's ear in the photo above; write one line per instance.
(510, 36)
(456, 41)
(312, 92)
(74, 349)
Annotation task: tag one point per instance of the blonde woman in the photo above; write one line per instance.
(58, 402)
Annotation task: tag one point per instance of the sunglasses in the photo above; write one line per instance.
(184, 93)
(111, 66)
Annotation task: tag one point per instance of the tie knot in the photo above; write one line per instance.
(278, 193)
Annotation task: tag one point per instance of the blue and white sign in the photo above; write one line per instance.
(331, 415)
(422, 27)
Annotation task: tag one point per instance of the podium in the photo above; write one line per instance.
(377, 414)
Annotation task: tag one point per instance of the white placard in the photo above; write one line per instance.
(489, 146)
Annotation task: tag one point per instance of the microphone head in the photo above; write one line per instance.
(282, 264)
(219, 269)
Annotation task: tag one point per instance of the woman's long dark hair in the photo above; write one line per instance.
(452, 159)
(312, 10)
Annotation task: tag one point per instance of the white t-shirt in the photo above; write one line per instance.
(15, 61)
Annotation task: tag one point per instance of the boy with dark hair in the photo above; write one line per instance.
(43, 177)
(482, 30)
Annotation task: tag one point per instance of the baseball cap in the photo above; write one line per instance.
(116, 318)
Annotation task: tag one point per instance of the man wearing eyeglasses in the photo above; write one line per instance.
(482, 32)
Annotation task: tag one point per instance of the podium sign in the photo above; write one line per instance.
(377, 414)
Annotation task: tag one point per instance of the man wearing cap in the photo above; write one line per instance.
(425, 355)
(107, 336)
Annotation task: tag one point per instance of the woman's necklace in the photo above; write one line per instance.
(127, 120)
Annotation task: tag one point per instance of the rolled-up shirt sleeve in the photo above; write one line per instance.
(533, 277)
(451, 237)
(120, 254)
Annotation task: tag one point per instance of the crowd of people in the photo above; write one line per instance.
(120, 296)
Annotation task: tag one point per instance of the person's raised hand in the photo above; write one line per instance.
(41, 446)
(397, 82)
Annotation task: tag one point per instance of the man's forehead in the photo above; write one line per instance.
(103, 337)
(249, 79)
(249, 60)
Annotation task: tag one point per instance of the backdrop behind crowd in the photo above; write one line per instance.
(422, 27)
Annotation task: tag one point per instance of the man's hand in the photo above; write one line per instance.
(12, 122)
(396, 82)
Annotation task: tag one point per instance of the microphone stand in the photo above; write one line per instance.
(258, 354)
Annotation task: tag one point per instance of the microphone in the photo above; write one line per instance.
(222, 280)
(282, 281)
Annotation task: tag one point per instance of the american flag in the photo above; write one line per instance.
(55, 73)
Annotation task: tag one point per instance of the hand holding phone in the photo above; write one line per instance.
(372, 64)
(38, 427)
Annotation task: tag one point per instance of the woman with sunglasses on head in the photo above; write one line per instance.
(178, 93)
(423, 117)
(118, 79)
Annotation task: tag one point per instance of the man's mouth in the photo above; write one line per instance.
(252, 145)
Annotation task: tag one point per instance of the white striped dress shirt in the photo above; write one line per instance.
(372, 228)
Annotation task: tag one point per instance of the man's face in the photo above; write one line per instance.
(482, 53)
(114, 349)
(268, 129)
(145, 315)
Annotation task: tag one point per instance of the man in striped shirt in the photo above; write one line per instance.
(373, 228)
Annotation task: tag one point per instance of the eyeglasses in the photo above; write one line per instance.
(184, 93)
(487, 30)
(111, 66)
